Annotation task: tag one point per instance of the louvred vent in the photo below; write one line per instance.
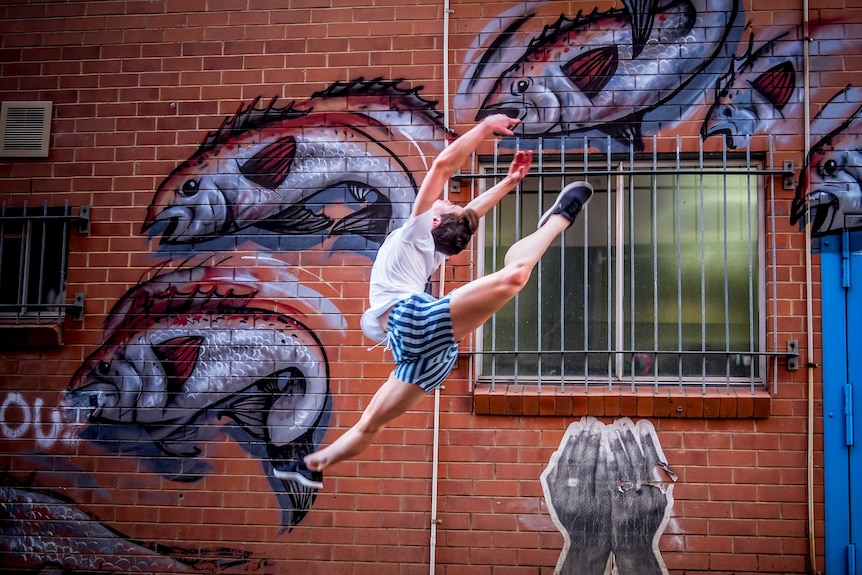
(25, 128)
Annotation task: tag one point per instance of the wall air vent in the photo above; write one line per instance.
(25, 128)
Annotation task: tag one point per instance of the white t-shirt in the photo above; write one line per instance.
(404, 263)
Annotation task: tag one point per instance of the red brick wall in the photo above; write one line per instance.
(136, 85)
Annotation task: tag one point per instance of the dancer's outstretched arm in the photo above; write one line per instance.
(453, 157)
(518, 169)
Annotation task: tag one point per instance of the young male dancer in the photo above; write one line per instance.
(423, 332)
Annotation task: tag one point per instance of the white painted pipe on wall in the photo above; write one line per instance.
(812, 552)
(435, 449)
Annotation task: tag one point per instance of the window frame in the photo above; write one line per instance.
(50, 222)
(754, 172)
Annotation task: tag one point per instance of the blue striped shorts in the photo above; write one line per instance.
(420, 334)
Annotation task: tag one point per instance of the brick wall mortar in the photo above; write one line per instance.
(136, 87)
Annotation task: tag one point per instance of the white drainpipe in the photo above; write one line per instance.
(812, 553)
(436, 443)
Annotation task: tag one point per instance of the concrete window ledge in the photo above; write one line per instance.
(574, 400)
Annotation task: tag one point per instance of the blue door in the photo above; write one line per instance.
(841, 276)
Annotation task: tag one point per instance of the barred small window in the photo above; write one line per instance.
(33, 260)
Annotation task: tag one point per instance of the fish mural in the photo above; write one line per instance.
(831, 180)
(179, 355)
(47, 532)
(402, 110)
(279, 170)
(752, 96)
(761, 93)
(602, 71)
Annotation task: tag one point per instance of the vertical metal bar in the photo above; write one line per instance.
(774, 269)
(619, 277)
(584, 258)
(702, 272)
(495, 240)
(726, 268)
(562, 278)
(751, 253)
(22, 266)
(586, 264)
(631, 218)
(517, 303)
(64, 253)
(678, 225)
(585, 282)
(539, 308)
(40, 287)
(619, 283)
(476, 340)
(654, 259)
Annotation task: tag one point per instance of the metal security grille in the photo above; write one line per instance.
(660, 281)
(34, 246)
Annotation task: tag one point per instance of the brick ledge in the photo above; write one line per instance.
(507, 399)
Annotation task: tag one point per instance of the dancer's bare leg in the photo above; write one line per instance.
(473, 304)
(392, 399)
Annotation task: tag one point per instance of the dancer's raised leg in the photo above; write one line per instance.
(474, 303)
(392, 399)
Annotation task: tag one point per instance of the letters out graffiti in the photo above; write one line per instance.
(21, 418)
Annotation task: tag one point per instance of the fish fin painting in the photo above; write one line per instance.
(609, 490)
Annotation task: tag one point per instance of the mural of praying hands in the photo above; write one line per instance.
(580, 498)
(605, 498)
(640, 505)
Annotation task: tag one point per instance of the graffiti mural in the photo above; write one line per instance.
(831, 182)
(196, 345)
(609, 490)
(221, 338)
(221, 343)
(49, 533)
(607, 72)
(307, 171)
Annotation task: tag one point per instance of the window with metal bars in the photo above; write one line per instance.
(659, 281)
(34, 246)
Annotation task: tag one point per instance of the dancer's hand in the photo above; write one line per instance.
(520, 166)
(501, 124)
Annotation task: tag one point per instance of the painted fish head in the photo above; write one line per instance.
(531, 100)
(834, 191)
(192, 202)
(97, 388)
(555, 88)
(746, 103)
(115, 382)
(734, 114)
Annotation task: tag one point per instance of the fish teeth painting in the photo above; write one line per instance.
(831, 181)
